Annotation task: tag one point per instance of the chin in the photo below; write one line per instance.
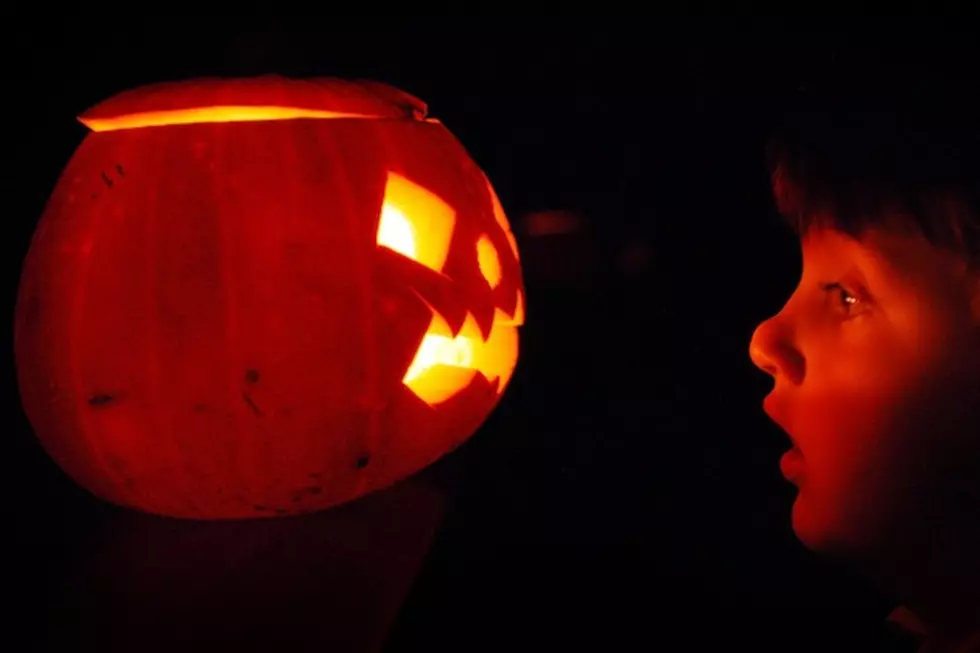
(824, 530)
(805, 528)
(814, 530)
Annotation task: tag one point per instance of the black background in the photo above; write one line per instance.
(626, 492)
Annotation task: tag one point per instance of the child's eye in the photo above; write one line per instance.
(843, 300)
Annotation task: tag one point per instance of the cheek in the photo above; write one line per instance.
(866, 401)
(879, 416)
(844, 441)
(862, 444)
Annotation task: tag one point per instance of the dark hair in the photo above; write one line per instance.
(902, 154)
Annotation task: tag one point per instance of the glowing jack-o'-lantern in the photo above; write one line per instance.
(265, 296)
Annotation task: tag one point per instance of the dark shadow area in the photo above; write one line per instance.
(334, 579)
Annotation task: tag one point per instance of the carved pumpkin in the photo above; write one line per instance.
(262, 297)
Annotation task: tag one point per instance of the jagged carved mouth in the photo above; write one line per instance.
(445, 363)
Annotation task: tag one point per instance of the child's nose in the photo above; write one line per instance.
(762, 345)
(772, 351)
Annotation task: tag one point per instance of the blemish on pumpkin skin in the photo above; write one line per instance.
(363, 461)
(316, 475)
(281, 511)
(251, 404)
(119, 169)
(259, 508)
(95, 196)
(200, 408)
(252, 376)
(314, 489)
(100, 399)
(105, 178)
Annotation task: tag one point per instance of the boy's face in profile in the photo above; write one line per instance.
(875, 360)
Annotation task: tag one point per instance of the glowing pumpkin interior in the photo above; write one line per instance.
(419, 225)
(196, 115)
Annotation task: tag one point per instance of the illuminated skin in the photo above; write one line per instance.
(876, 367)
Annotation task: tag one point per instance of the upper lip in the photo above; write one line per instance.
(771, 407)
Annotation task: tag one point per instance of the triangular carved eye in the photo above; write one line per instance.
(416, 223)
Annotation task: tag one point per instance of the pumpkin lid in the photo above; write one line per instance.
(269, 97)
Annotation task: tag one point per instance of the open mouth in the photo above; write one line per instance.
(446, 363)
(791, 464)
(769, 407)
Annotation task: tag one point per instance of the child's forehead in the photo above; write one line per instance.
(828, 247)
(894, 250)
(890, 255)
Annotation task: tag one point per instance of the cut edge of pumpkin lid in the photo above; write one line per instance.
(253, 99)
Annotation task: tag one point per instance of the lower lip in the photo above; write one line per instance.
(791, 464)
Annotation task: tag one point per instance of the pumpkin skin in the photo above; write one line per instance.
(208, 324)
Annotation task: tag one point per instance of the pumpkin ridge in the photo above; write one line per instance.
(81, 404)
